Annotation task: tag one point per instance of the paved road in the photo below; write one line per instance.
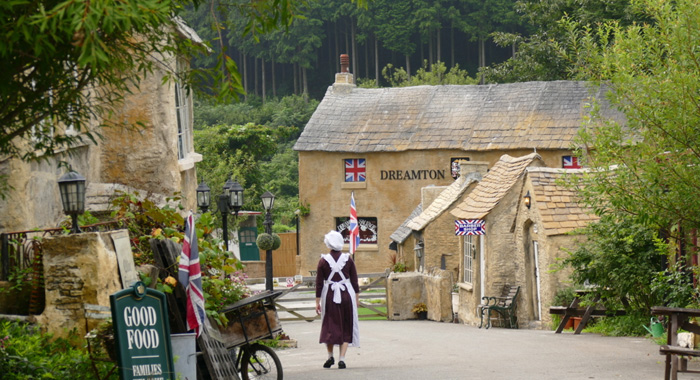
(434, 350)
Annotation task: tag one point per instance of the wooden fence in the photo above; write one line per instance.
(298, 303)
(284, 259)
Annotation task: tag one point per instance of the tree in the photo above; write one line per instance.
(654, 77)
(538, 57)
(621, 258)
(65, 62)
(68, 63)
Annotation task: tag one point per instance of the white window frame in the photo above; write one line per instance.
(183, 113)
(182, 110)
(469, 254)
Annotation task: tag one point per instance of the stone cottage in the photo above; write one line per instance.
(528, 216)
(384, 145)
(157, 159)
(544, 232)
(433, 227)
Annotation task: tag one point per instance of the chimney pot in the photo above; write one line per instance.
(344, 63)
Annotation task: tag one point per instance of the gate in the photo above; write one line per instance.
(298, 303)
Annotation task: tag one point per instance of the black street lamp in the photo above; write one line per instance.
(203, 197)
(231, 199)
(235, 198)
(72, 188)
(268, 200)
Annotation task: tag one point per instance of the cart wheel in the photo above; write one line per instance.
(260, 362)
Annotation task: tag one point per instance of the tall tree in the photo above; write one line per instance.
(537, 56)
(654, 76)
(485, 17)
(393, 28)
(65, 62)
(69, 62)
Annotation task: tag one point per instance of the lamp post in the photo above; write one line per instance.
(231, 199)
(268, 200)
(72, 188)
(203, 197)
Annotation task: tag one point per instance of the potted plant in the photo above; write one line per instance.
(421, 310)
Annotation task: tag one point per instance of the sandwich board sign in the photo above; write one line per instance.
(142, 334)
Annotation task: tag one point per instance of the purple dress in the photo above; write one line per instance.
(337, 324)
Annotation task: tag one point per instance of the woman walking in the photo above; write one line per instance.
(337, 299)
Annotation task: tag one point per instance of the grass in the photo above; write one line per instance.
(370, 315)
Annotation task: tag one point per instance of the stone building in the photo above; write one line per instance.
(384, 145)
(434, 244)
(527, 216)
(157, 159)
(544, 232)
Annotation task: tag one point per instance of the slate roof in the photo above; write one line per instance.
(558, 206)
(444, 200)
(403, 232)
(542, 115)
(496, 183)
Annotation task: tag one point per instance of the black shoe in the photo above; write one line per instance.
(330, 362)
(341, 364)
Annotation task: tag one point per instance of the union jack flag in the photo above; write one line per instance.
(354, 226)
(570, 162)
(470, 227)
(355, 170)
(190, 276)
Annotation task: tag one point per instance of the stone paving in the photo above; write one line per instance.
(435, 350)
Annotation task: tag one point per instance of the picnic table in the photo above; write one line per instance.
(573, 310)
(678, 318)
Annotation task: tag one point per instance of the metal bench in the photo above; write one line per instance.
(505, 306)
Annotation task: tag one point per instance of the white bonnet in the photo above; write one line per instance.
(334, 240)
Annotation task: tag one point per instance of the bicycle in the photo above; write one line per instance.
(253, 360)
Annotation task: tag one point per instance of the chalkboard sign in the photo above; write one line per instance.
(142, 332)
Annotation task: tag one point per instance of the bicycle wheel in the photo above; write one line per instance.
(260, 362)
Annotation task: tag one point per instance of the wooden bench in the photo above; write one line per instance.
(504, 305)
(683, 352)
(676, 356)
(573, 310)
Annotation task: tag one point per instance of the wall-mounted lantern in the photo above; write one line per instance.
(527, 199)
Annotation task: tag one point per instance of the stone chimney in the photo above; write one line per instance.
(344, 78)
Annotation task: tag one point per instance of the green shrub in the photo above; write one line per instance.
(276, 241)
(564, 296)
(625, 325)
(26, 353)
(265, 242)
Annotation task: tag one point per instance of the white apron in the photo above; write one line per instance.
(337, 287)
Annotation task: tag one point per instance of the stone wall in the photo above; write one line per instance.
(404, 290)
(78, 269)
(438, 289)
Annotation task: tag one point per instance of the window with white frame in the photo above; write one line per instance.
(469, 256)
(182, 106)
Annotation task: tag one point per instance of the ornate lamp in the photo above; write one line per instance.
(203, 196)
(72, 188)
(235, 197)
